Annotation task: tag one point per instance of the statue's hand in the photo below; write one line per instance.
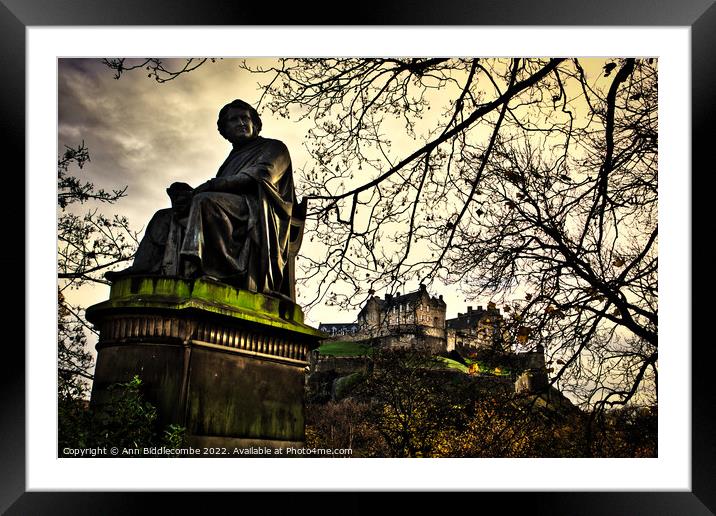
(205, 187)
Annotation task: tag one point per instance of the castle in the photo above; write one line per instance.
(410, 320)
(478, 329)
(418, 320)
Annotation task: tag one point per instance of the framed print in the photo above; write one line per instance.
(41, 44)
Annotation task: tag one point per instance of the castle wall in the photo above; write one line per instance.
(413, 341)
(339, 365)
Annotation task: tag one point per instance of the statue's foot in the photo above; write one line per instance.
(209, 277)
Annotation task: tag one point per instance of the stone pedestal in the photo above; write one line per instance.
(227, 364)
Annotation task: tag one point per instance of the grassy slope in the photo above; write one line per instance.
(452, 364)
(355, 349)
(344, 349)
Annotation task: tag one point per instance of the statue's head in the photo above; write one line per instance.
(180, 195)
(238, 121)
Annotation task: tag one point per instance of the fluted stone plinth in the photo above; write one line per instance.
(225, 363)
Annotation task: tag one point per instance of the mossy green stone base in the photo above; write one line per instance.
(227, 364)
(176, 294)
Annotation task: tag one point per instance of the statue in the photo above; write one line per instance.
(243, 227)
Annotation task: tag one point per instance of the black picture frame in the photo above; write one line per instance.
(16, 15)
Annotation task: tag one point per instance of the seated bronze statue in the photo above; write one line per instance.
(243, 227)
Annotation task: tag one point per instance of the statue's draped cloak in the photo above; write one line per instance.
(240, 232)
(158, 252)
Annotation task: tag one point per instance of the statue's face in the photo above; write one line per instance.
(238, 125)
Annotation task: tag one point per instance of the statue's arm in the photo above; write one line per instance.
(232, 184)
(269, 168)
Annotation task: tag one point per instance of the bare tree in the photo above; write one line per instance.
(526, 178)
(88, 246)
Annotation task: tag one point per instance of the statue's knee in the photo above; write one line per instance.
(204, 202)
(202, 198)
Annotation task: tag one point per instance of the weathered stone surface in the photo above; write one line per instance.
(341, 365)
(175, 294)
(233, 395)
(532, 381)
(227, 364)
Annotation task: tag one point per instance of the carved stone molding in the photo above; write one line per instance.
(125, 329)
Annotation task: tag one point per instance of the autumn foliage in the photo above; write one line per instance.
(408, 406)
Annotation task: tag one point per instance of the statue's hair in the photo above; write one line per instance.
(238, 104)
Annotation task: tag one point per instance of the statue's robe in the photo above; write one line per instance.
(239, 232)
(158, 252)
